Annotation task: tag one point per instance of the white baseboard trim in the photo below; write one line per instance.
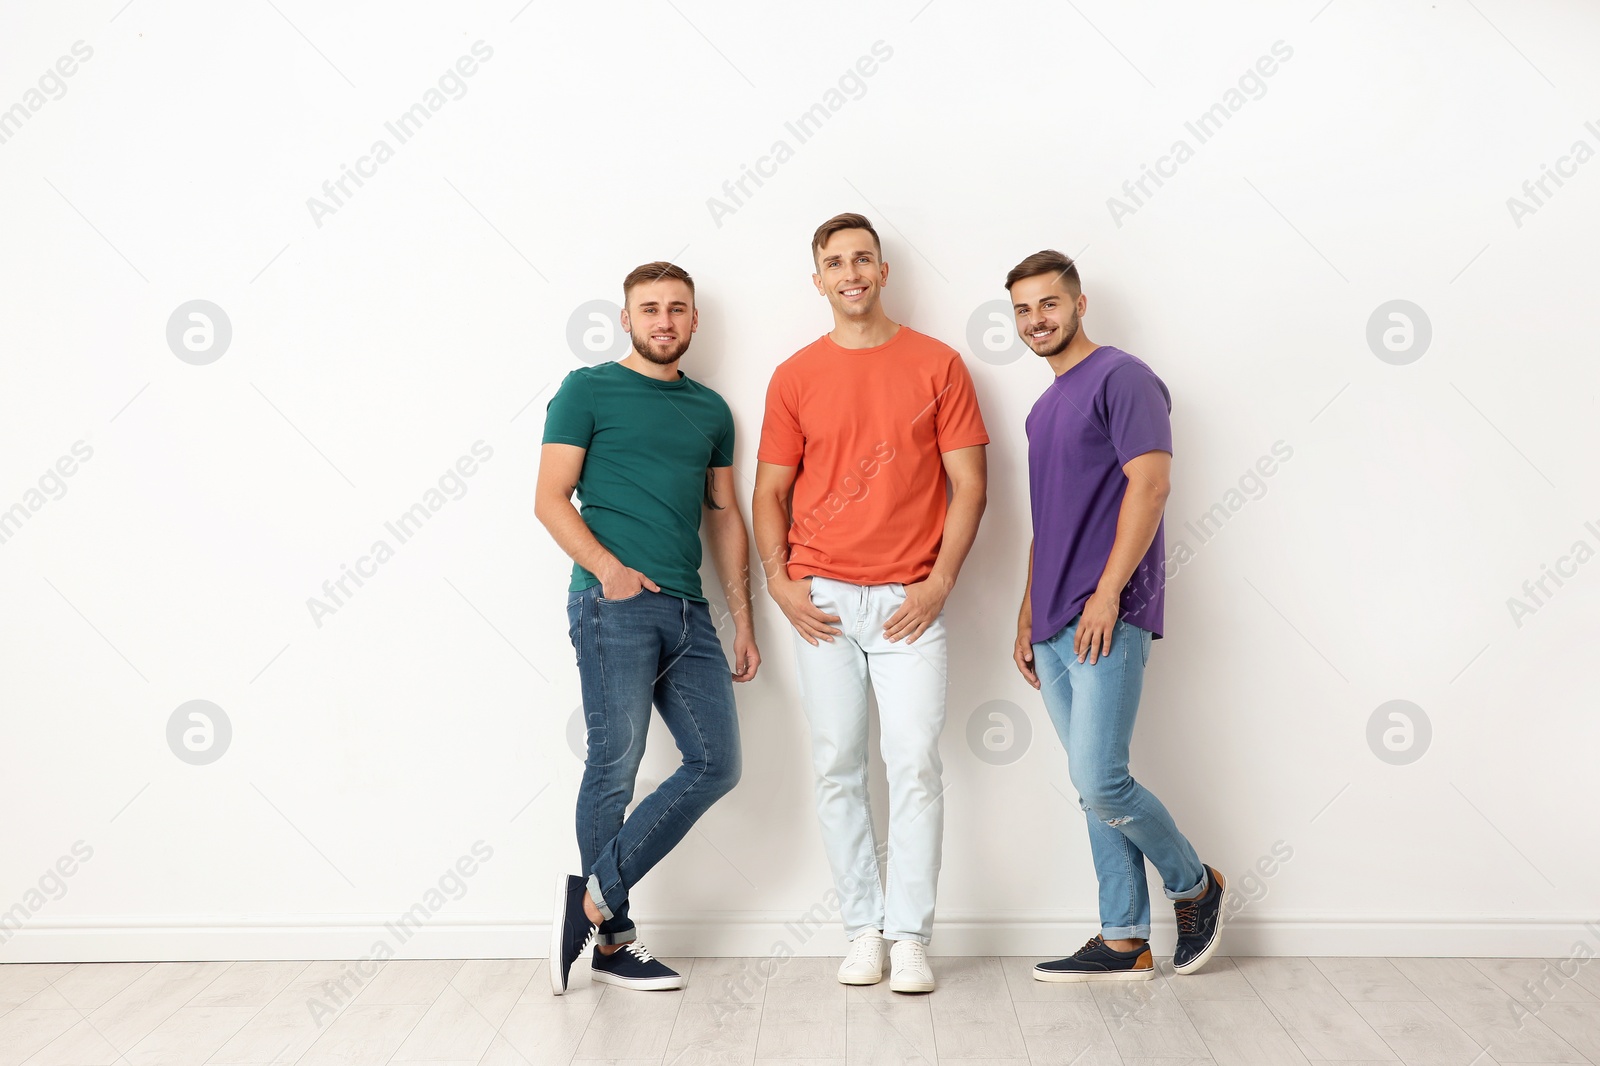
(757, 935)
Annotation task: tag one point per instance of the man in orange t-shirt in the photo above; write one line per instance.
(865, 428)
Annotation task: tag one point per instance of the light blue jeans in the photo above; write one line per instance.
(1093, 708)
(909, 681)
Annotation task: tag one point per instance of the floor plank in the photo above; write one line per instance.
(1320, 1021)
(986, 1011)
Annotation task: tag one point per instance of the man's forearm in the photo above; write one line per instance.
(568, 529)
(730, 553)
(1137, 523)
(967, 503)
(771, 520)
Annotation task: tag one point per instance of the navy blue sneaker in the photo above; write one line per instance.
(570, 929)
(1199, 925)
(632, 966)
(1097, 961)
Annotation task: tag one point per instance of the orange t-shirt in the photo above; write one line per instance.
(866, 427)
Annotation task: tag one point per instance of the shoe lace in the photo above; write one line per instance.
(1093, 943)
(1188, 915)
(639, 951)
(862, 950)
(913, 954)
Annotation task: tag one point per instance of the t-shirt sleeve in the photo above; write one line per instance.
(1138, 411)
(959, 422)
(722, 442)
(569, 416)
(782, 442)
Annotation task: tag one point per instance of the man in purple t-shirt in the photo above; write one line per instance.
(1099, 464)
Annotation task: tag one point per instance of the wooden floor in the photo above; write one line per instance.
(1268, 1011)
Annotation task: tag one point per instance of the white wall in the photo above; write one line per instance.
(373, 346)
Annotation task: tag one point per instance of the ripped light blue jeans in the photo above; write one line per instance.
(1093, 708)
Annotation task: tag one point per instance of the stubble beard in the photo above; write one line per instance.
(1067, 335)
(642, 345)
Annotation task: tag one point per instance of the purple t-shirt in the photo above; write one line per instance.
(1104, 411)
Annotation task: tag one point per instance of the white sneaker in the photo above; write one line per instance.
(864, 964)
(910, 970)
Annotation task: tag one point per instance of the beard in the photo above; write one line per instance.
(1068, 331)
(641, 344)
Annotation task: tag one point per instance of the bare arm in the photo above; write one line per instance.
(1143, 501)
(559, 467)
(770, 511)
(730, 553)
(968, 471)
(1022, 651)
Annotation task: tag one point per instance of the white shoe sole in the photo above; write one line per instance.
(652, 984)
(899, 983)
(1068, 977)
(860, 978)
(1216, 934)
(558, 924)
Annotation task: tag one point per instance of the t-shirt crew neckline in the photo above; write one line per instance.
(1098, 349)
(681, 381)
(837, 347)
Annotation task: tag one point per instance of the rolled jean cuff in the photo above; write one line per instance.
(599, 898)
(621, 936)
(895, 934)
(1195, 892)
(1125, 932)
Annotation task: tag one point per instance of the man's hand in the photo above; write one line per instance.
(794, 599)
(746, 657)
(1022, 655)
(1093, 637)
(924, 600)
(620, 582)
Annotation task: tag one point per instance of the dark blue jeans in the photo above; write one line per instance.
(651, 648)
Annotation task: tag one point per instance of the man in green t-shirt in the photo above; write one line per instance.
(648, 451)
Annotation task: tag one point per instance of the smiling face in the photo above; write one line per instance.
(1048, 312)
(660, 317)
(851, 273)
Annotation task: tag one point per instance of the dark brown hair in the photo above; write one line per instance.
(660, 270)
(1048, 261)
(848, 220)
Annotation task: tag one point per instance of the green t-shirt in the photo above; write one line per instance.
(650, 444)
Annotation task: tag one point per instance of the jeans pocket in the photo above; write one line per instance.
(625, 599)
